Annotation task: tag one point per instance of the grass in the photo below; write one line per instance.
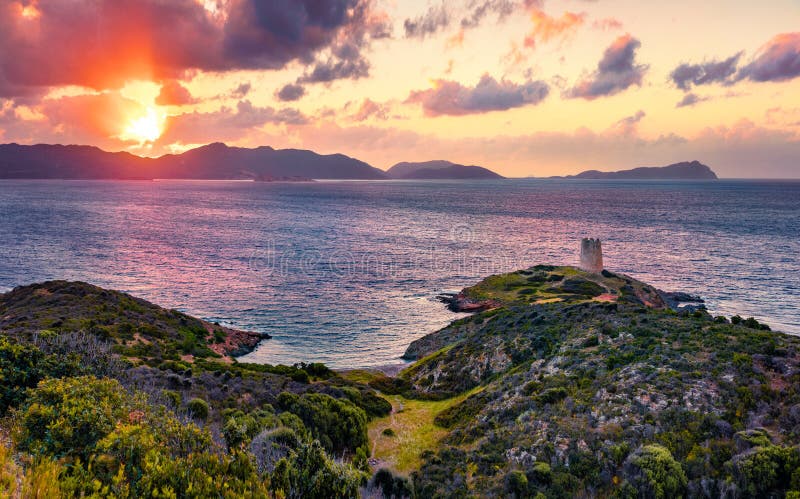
(414, 431)
(362, 376)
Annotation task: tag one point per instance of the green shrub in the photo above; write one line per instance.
(338, 424)
(765, 470)
(198, 408)
(66, 417)
(309, 472)
(391, 486)
(516, 484)
(551, 395)
(653, 472)
(23, 366)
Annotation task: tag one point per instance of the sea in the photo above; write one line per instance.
(347, 272)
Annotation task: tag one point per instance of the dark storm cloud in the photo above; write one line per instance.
(103, 43)
(778, 60)
(687, 75)
(615, 72)
(453, 98)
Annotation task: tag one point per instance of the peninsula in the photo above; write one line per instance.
(687, 170)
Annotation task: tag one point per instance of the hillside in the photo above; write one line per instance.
(561, 384)
(136, 327)
(573, 384)
(687, 170)
(439, 169)
(106, 395)
(214, 161)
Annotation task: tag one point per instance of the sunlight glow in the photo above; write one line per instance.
(145, 128)
(30, 12)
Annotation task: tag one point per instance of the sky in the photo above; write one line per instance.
(524, 87)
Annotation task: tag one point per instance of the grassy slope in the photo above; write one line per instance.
(412, 422)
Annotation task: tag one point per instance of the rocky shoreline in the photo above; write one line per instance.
(237, 342)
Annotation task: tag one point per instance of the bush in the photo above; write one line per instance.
(551, 395)
(653, 472)
(338, 424)
(198, 408)
(765, 470)
(23, 366)
(516, 484)
(66, 417)
(309, 472)
(391, 486)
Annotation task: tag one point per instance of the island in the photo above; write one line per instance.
(439, 169)
(687, 170)
(562, 382)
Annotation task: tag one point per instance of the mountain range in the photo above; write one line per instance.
(218, 161)
(215, 161)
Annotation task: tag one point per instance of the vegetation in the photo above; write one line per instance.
(105, 395)
(614, 395)
(572, 384)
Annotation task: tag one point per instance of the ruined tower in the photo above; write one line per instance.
(591, 255)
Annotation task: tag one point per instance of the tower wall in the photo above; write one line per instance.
(591, 255)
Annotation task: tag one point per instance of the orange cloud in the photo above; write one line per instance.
(546, 28)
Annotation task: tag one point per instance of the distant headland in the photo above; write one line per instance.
(686, 170)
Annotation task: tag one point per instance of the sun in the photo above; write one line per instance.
(146, 127)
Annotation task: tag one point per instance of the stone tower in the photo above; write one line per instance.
(591, 255)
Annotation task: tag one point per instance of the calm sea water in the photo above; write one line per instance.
(346, 273)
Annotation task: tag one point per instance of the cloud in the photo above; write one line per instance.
(547, 28)
(687, 75)
(778, 60)
(337, 69)
(690, 100)
(615, 72)
(101, 44)
(242, 90)
(290, 92)
(441, 16)
(483, 8)
(434, 19)
(628, 125)
(174, 94)
(453, 98)
(607, 24)
(371, 109)
(226, 124)
(97, 119)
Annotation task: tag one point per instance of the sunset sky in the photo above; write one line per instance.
(525, 87)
